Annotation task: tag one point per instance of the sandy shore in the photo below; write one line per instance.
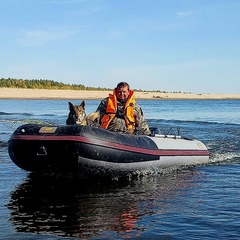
(14, 93)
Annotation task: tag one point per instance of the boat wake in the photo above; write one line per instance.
(224, 158)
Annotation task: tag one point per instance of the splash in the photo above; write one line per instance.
(227, 157)
(24, 121)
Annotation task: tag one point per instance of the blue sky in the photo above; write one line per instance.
(168, 45)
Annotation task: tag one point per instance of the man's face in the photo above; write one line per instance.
(122, 93)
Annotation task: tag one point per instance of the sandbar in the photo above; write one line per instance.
(21, 93)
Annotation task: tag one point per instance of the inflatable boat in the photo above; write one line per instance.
(80, 149)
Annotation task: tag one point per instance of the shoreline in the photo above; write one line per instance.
(22, 93)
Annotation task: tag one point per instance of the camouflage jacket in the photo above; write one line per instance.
(118, 123)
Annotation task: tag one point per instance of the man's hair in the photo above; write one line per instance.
(123, 84)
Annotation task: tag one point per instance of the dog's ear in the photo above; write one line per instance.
(70, 106)
(82, 104)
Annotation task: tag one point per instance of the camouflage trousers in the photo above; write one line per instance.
(119, 125)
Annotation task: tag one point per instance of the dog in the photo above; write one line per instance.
(93, 119)
(77, 114)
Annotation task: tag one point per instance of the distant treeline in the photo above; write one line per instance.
(43, 84)
(50, 84)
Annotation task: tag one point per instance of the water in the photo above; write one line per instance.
(201, 202)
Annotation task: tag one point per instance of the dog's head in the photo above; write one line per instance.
(77, 114)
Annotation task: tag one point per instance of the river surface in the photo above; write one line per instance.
(198, 202)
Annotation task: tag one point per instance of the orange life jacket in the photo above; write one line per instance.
(112, 110)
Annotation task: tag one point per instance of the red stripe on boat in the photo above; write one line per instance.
(157, 152)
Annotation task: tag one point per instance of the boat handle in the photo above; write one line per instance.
(42, 151)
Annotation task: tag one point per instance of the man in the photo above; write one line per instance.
(121, 113)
